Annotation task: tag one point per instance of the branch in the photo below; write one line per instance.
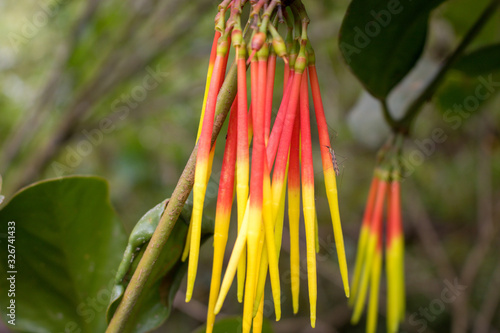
(431, 88)
(179, 196)
(490, 304)
(388, 117)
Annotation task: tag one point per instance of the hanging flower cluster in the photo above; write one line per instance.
(385, 186)
(285, 149)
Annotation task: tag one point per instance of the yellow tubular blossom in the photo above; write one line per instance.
(233, 260)
(371, 323)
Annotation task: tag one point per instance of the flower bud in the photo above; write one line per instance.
(258, 40)
(279, 47)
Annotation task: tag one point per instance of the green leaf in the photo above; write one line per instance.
(154, 304)
(461, 96)
(485, 60)
(233, 324)
(382, 40)
(68, 243)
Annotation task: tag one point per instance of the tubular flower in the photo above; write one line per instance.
(281, 156)
(385, 188)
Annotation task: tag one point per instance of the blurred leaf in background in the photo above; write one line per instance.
(115, 89)
(68, 243)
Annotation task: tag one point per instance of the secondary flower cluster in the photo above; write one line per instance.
(284, 148)
(385, 186)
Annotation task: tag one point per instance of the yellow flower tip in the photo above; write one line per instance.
(241, 274)
(358, 311)
(218, 306)
(189, 295)
(277, 303)
(258, 319)
(278, 312)
(347, 292)
(355, 318)
(351, 302)
(185, 252)
(190, 285)
(295, 306)
(313, 320)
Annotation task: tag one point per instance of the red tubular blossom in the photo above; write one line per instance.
(286, 136)
(271, 70)
(394, 228)
(202, 161)
(274, 139)
(243, 164)
(294, 212)
(256, 194)
(223, 212)
(373, 238)
(308, 196)
(328, 172)
(286, 75)
(268, 219)
(211, 63)
(371, 202)
(395, 260)
(378, 209)
(363, 238)
(283, 147)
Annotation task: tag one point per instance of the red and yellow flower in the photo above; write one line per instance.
(281, 156)
(385, 188)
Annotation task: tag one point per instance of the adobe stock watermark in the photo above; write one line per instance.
(327, 250)
(32, 25)
(364, 35)
(437, 306)
(453, 117)
(92, 307)
(120, 107)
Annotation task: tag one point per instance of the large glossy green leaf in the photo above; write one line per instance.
(381, 40)
(485, 60)
(154, 304)
(68, 244)
(233, 324)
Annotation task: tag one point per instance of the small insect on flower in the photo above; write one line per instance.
(334, 160)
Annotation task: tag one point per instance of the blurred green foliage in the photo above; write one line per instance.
(76, 83)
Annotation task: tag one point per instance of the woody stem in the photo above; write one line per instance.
(403, 125)
(170, 215)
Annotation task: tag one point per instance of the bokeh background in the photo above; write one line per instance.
(114, 89)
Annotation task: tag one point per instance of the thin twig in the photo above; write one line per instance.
(388, 117)
(431, 88)
(490, 304)
(485, 234)
(172, 212)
